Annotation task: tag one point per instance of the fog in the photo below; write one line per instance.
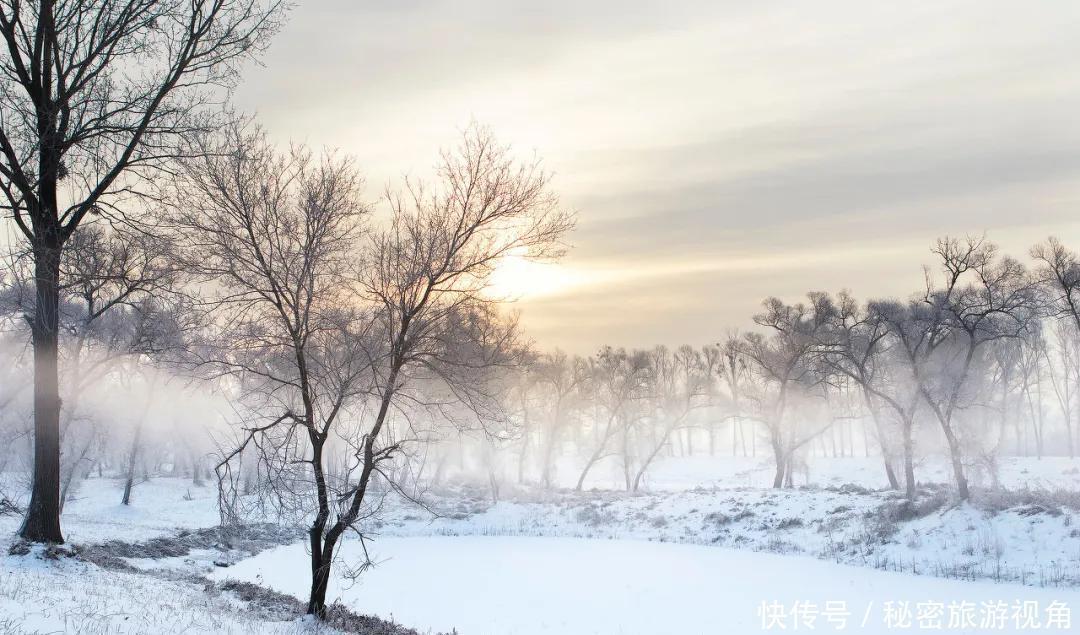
(381, 318)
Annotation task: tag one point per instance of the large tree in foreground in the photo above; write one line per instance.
(273, 237)
(119, 302)
(338, 334)
(94, 94)
(425, 274)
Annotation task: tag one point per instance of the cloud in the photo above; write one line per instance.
(713, 149)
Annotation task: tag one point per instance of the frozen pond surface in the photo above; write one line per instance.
(525, 586)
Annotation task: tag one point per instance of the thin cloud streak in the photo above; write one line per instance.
(699, 140)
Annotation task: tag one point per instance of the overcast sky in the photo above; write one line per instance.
(716, 152)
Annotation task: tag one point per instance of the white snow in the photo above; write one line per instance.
(683, 473)
(159, 507)
(67, 596)
(697, 553)
(532, 586)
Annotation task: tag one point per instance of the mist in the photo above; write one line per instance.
(565, 318)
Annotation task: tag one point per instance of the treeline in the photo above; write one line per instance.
(982, 362)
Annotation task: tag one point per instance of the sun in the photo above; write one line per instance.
(516, 277)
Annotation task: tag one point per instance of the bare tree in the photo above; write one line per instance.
(787, 361)
(983, 298)
(1062, 357)
(276, 235)
(561, 378)
(734, 369)
(619, 381)
(426, 274)
(858, 346)
(119, 304)
(525, 390)
(678, 388)
(1058, 271)
(340, 331)
(93, 96)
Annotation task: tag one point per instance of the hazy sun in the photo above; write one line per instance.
(516, 277)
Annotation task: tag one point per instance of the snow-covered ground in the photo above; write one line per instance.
(40, 595)
(682, 473)
(699, 552)
(1034, 543)
(62, 594)
(531, 586)
(159, 507)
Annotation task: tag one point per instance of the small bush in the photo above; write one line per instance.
(1027, 502)
(8, 507)
(790, 523)
(19, 548)
(592, 516)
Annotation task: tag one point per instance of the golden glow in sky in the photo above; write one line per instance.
(516, 277)
(716, 153)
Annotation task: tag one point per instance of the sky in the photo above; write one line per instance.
(715, 152)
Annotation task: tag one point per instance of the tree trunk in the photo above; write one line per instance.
(649, 459)
(891, 474)
(69, 478)
(493, 481)
(958, 468)
(322, 556)
(1069, 432)
(523, 458)
(196, 470)
(588, 466)
(886, 453)
(909, 462)
(440, 468)
(547, 472)
(322, 551)
(129, 481)
(781, 469)
(42, 522)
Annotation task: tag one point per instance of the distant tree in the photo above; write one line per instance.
(1062, 356)
(526, 406)
(983, 298)
(857, 346)
(561, 380)
(678, 388)
(733, 368)
(1058, 272)
(787, 361)
(619, 381)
